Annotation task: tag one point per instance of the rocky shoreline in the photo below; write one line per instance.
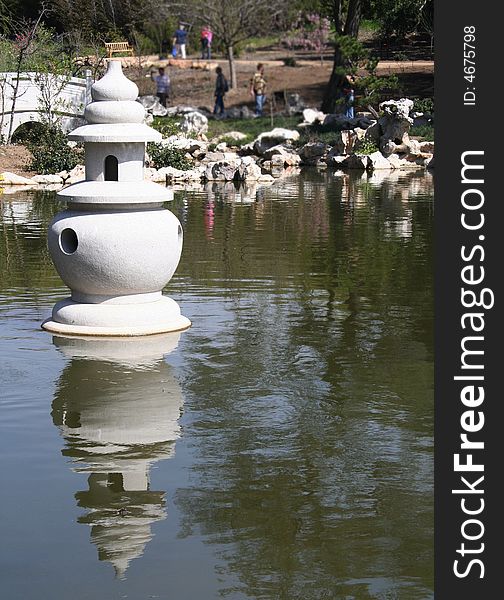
(276, 153)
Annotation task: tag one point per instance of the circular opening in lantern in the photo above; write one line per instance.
(68, 241)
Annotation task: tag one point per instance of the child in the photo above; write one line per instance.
(162, 85)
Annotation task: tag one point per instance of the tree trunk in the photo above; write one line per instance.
(340, 64)
(233, 84)
(334, 87)
(354, 15)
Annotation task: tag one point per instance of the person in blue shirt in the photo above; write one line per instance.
(180, 40)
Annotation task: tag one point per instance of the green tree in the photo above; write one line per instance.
(399, 17)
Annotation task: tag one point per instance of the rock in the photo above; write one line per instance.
(169, 174)
(150, 174)
(194, 122)
(395, 125)
(376, 161)
(220, 171)
(373, 133)
(189, 145)
(233, 169)
(312, 152)
(175, 111)
(214, 157)
(294, 104)
(63, 174)
(360, 133)
(427, 147)
(233, 113)
(8, 178)
(417, 159)
(349, 139)
(365, 122)
(153, 106)
(414, 147)
(149, 119)
(397, 162)
(78, 173)
(311, 116)
(159, 110)
(336, 161)
(158, 176)
(239, 112)
(268, 139)
(338, 122)
(248, 170)
(47, 179)
(246, 113)
(356, 161)
(221, 147)
(236, 136)
(148, 102)
(289, 158)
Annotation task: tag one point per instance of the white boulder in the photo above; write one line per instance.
(8, 178)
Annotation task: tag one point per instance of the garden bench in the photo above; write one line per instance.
(113, 47)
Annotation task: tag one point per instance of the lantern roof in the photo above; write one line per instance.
(114, 115)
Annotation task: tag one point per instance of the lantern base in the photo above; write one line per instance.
(146, 318)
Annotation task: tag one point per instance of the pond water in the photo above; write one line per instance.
(281, 448)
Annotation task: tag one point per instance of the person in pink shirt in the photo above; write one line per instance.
(206, 42)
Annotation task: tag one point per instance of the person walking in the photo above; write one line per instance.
(180, 40)
(221, 87)
(206, 42)
(162, 81)
(258, 89)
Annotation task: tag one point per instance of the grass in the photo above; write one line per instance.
(250, 127)
(253, 127)
(426, 132)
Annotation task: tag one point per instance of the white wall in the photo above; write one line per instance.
(72, 99)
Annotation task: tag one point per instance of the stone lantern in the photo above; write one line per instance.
(115, 246)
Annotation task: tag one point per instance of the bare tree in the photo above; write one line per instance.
(24, 45)
(232, 22)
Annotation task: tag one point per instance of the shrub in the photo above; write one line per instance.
(424, 105)
(232, 142)
(400, 56)
(289, 61)
(366, 147)
(167, 126)
(424, 131)
(167, 156)
(51, 152)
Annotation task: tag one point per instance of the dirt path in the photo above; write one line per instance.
(309, 78)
